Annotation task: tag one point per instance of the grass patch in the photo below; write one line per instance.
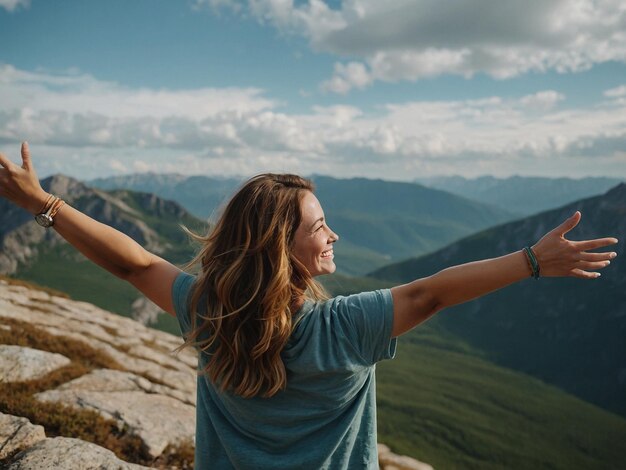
(25, 334)
(180, 456)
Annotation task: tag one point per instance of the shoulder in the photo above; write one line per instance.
(373, 299)
(365, 322)
(371, 303)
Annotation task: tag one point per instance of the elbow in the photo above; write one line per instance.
(130, 273)
(426, 301)
(124, 274)
(430, 306)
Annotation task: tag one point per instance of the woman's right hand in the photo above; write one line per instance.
(20, 185)
(107, 247)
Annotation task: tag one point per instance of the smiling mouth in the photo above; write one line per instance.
(327, 254)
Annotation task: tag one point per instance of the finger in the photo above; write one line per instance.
(569, 224)
(586, 245)
(26, 162)
(584, 274)
(597, 256)
(5, 162)
(592, 265)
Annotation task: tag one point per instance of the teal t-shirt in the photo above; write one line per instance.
(326, 417)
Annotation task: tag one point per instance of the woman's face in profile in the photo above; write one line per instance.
(313, 239)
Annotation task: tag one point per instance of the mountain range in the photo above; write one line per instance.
(378, 221)
(522, 194)
(30, 252)
(566, 331)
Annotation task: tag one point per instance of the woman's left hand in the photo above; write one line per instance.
(558, 256)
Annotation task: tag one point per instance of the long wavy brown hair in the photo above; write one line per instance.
(242, 300)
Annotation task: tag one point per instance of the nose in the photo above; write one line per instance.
(333, 236)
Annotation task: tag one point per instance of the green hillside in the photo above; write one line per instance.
(567, 332)
(440, 402)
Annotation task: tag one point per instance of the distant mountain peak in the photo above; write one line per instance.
(618, 192)
(65, 186)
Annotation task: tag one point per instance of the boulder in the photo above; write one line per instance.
(68, 454)
(19, 363)
(159, 420)
(107, 380)
(17, 433)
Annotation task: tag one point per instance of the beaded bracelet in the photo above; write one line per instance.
(532, 261)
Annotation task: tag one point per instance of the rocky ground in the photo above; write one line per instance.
(68, 367)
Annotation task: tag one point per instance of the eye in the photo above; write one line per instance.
(319, 228)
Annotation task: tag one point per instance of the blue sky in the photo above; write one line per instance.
(397, 89)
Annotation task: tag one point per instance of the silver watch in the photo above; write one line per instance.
(44, 219)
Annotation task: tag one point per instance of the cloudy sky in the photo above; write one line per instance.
(395, 89)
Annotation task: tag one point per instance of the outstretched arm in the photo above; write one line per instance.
(105, 246)
(419, 300)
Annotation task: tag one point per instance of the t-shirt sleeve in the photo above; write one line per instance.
(367, 323)
(181, 291)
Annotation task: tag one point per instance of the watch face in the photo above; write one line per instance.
(44, 220)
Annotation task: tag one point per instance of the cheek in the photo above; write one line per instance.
(302, 251)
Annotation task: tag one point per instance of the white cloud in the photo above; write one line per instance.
(616, 92)
(12, 5)
(542, 101)
(346, 77)
(82, 93)
(88, 127)
(412, 39)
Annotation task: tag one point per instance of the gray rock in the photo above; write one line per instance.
(107, 380)
(141, 350)
(146, 409)
(68, 454)
(18, 363)
(17, 433)
(158, 420)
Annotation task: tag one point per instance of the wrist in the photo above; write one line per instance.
(533, 262)
(38, 203)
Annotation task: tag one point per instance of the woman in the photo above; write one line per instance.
(288, 375)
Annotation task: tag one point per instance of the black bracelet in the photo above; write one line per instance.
(532, 261)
